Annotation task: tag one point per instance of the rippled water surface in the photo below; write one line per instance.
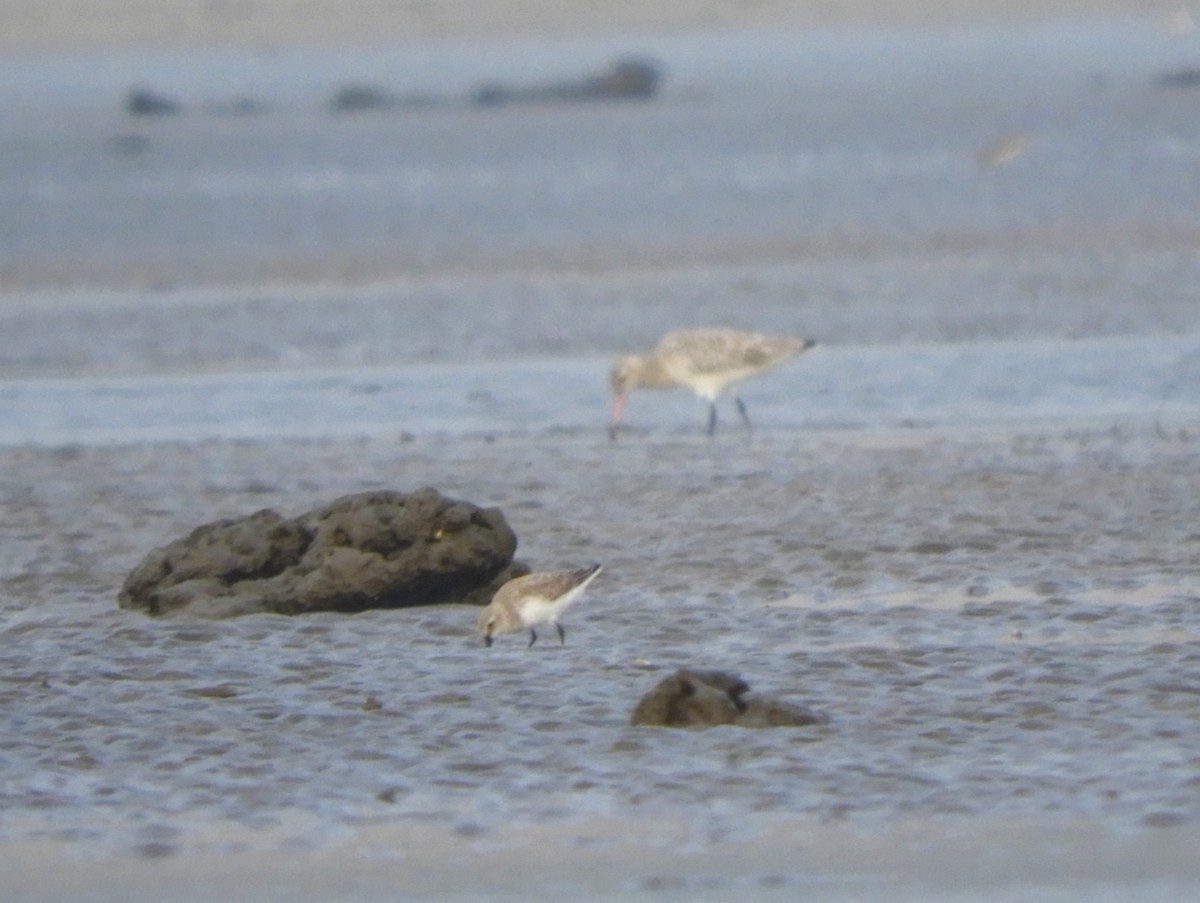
(965, 527)
(997, 627)
(805, 144)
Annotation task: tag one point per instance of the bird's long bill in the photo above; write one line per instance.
(618, 407)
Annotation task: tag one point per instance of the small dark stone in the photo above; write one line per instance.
(389, 795)
(1163, 820)
(362, 98)
(686, 699)
(708, 698)
(356, 98)
(627, 79)
(1188, 77)
(221, 691)
(143, 102)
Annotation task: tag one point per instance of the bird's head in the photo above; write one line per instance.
(487, 625)
(626, 374)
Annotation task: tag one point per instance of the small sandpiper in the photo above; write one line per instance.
(534, 599)
(707, 361)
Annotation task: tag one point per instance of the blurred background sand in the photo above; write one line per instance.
(40, 25)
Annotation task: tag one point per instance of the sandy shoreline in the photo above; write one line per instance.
(80, 25)
(604, 859)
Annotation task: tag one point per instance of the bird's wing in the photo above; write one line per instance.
(705, 351)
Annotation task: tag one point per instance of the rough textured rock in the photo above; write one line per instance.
(709, 698)
(370, 550)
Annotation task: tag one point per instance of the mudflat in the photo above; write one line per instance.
(34, 25)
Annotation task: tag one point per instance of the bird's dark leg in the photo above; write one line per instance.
(487, 640)
(562, 634)
(741, 406)
(712, 418)
(532, 637)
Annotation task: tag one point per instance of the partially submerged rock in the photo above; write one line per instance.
(145, 102)
(370, 550)
(627, 79)
(355, 98)
(1186, 77)
(709, 698)
(358, 98)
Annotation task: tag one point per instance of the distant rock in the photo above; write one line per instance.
(627, 79)
(370, 550)
(353, 98)
(1187, 77)
(361, 98)
(710, 698)
(635, 79)
(143, 102)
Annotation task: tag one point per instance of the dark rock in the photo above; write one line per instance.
(690, 699)
(143, 102)
(774, 713)
(371, 550)
(628, 79)
(1188, 77)
(361, 98)
(491, 94)
(635, 79)
(709, 698)
(356, 98)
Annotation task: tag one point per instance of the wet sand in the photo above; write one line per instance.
(40, 25)
(913, 861)
(952, 600)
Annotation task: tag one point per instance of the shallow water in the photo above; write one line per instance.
(998, 627)
(758, 142)
(964, 528)
(1134, 381)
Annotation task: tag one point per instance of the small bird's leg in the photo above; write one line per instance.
(562, 634)
(712, 418)
(532, 637)
(487, 640)
(741, 406)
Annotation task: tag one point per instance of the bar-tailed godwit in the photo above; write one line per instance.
(707, 361)
(534, 599)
